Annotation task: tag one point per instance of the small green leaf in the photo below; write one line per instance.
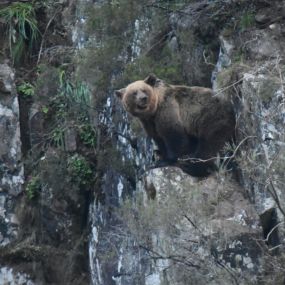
(45, 109)
(27, 89)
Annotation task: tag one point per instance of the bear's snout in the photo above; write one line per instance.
(142, 99)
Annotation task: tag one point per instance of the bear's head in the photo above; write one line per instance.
(140, 97)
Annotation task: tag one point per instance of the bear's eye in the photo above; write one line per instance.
(134, 93)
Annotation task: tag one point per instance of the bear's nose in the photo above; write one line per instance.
(143, 100)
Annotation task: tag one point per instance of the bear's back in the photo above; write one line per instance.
(200, 111)
(191, 103)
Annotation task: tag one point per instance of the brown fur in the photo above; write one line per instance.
(181, 120)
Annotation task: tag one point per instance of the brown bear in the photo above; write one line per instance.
(182, 121)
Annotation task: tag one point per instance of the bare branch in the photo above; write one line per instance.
(206, 60)
(43, 37)
(274, 195)
(196, 160)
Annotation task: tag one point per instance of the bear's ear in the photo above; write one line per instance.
(119, 93)
(151, 80)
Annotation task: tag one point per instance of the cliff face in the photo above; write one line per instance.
(44, 182)
(78, 203)
(227, 229)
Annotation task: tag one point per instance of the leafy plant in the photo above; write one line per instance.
(78, 93)
(22, 28)
(87, 135)
(45, 109)
(80, 169)
(33, 187)
(57, 138)
(69, 105)
(81, 93)
(27, 89)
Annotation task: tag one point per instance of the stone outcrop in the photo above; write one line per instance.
(11, 167)
(224, 229)
(205, 231)
(142, 226)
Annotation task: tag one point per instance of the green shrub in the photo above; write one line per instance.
(58, 138)
(80, 170)
(33, 187)
(22, 27)
(27, 89)
(78, 93)
(69, 103)
(87, 135)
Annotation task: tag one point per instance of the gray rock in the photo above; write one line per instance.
(11, 169)
(70, 136)
(6, 79)
(210, 218)
(264, 45)
(263, 16)
(9, 276)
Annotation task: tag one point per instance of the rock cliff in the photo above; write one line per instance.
(79, 203)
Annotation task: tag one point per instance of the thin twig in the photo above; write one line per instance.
(275, 197)
(272, 230)
(270, 233)
(196, 160)
(206, 61)
(43, 37)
